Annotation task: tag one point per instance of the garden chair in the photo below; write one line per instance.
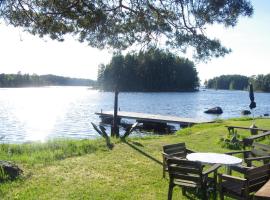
(178, 150)
(259, 152)
(190, 175)
(241, 188)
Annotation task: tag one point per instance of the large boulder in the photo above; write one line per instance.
(9, 170)
(216, 110)
(245, 112)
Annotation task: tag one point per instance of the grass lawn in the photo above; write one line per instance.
(86, 169)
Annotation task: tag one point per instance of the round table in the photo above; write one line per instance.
(215, 158)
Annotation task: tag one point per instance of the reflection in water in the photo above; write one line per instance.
(28, 114)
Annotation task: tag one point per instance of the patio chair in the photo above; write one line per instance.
(190, 175)
(259, 152)
(178, 150)
(241, 188)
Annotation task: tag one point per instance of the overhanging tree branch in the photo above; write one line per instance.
(120, 24)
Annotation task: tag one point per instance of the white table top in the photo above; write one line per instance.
(214, 158)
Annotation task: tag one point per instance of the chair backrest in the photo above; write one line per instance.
(257, 177)
(260, 149)
(178, 149)
(188, 173)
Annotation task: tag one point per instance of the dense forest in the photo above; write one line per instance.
(150, 71)
(26, 80)
(237, 82)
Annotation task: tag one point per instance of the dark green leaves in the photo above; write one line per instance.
(150, 71)
(120, 24)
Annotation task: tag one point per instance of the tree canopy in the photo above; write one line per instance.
(150, 71)
(228, 82)
(119, 24)
(261, 82)
(26, 80)
(238, 82)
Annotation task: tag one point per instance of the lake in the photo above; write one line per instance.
(38, 114)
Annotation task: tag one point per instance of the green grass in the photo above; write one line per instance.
(86, 169)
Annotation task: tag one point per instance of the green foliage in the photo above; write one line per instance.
(231, 141)
(238, 82)
(154, 70)
(120, 24)
(261, 82)
(50, 151)
(26, 80)
(3, 175)
(228, 82)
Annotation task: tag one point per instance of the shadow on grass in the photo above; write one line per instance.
(143, 153)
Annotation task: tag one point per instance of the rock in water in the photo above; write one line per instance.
(215, 110)
(9, 170)
(245, 112)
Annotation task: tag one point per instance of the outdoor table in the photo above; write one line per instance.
(215, 158)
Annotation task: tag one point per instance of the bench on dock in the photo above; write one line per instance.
(264, 192)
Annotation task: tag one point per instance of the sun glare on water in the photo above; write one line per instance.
(39, 109)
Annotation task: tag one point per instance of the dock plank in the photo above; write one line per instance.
(154, 118)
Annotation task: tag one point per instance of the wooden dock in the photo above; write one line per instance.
(144, 117)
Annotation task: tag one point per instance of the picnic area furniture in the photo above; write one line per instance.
(264, 192)
(190, 175)
(215, 158)
(254, 134)
(241, 188)
(249, 140)
(177, 150)
(258, 152)
(232, 128)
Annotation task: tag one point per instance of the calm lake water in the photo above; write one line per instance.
(30, 114)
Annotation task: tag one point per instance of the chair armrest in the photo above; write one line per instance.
(172, 155)
(231, 178)
(237, 152)
(212, 169)
(164, 154)
(240, 168)
(257, 158)
(190, 151)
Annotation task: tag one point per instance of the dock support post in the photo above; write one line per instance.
(115, 127)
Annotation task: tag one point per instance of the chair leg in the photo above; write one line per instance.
(163, 172)
(184, 192)
(204, 194)
(215, 193)
(221, 195)
(171, 186)
(164, 166)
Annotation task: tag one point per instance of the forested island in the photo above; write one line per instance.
(26, 80)
(152, 71)
(238, 82)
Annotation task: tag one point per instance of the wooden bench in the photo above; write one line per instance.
(243, 188)
(231, 128)
(249, 140)
(264, 192)
(259, 152)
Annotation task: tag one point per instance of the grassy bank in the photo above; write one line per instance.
(86, 169)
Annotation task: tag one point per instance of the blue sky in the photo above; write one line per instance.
(249, 41)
